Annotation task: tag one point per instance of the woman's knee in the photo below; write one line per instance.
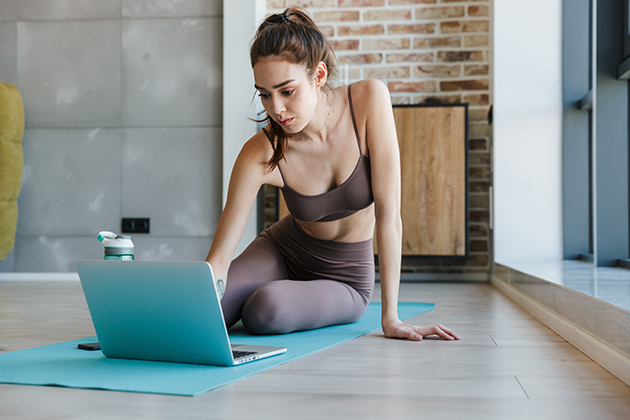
(264, 311)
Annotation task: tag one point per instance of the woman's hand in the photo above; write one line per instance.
(398, 329)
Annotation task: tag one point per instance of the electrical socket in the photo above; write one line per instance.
(136, 225)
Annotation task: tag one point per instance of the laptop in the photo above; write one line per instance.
(163, 311)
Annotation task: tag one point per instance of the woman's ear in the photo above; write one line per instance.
(321, 74)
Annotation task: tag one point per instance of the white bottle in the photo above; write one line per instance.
(117, 247)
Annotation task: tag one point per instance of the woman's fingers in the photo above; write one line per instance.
(439, 330)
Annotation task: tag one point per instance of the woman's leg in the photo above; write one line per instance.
(292, 305)
(259, 264)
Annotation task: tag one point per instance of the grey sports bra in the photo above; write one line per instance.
(352, 195)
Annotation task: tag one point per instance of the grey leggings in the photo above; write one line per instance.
(286, 281)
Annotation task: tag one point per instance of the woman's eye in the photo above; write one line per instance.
(264, 95)
(288, 92)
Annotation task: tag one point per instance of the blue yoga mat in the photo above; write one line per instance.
(64, 364)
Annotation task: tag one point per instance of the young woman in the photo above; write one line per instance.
(333, 152)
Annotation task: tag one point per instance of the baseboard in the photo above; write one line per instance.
(456, 277)
(39, 277)
(604, 355)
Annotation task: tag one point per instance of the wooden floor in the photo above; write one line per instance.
(507, 366)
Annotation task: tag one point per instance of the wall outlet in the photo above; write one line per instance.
(136, 225)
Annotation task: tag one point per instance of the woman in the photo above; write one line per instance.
(334, 154)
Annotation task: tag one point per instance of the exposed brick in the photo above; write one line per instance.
(275, 4)
(327, 30)
(361, 3)
(477, 230)
(399, 72)
(354, 73)
(311, 3)
(451, 85)
(344, 45)
(424, 86)
(480, 114)
(384, 15)
(478, 11)
(478, 186)
(479, 130)
(479, 201)
(478, 260)
(473, 260)
(410, 58)
(418, 28)
(479, 158)
(479, 216)
(455, 26)
(477, 70)
(477, 99)
(454, 56)
(386, 44)
(479, 172)
(437, 71)
(448, 41)
(400, 100)
(434, 99)
(361, 59)
(442, 270)
(478, 144)
(337, 16)
(476, 40)
(403, 2)
(361, 30)
(439, 12)
(478, 246)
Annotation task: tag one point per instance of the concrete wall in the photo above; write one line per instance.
(123, 102)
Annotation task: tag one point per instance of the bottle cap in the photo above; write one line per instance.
(111, 240)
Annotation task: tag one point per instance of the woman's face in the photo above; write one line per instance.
(287, 92)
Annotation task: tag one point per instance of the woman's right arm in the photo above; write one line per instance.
(248, 175)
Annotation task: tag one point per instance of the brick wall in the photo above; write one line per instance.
(426, 51)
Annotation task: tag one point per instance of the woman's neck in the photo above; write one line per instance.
(321, 117)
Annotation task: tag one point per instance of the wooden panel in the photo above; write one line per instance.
(433, 163)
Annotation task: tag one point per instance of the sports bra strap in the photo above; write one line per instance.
(284, 181)
(354, 120)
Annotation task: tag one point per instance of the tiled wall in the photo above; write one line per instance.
(123, 119)
(426, 51)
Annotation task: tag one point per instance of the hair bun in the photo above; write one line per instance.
(282, 18)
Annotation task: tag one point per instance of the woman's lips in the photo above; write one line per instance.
(285, 121)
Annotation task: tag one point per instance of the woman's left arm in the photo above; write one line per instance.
(386, 188)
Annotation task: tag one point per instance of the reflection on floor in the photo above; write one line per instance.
(612, 285)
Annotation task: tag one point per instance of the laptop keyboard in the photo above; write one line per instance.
(238, 354)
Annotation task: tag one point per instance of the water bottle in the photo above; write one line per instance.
(117, 247)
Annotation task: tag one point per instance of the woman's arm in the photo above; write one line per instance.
(386, 188)
(248, 175)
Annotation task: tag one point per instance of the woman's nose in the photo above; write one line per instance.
(277, 106)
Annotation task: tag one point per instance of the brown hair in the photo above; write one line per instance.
(294, 37)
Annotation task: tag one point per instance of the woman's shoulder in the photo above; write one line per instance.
(257, 150)
(369, 90)
(257, 145)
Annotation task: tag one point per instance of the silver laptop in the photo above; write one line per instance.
(165, 311)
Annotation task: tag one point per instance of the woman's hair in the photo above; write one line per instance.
(294, 37)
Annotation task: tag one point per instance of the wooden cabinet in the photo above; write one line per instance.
(433, 155)
(433, 158)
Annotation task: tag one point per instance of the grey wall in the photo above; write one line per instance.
(123, 119)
